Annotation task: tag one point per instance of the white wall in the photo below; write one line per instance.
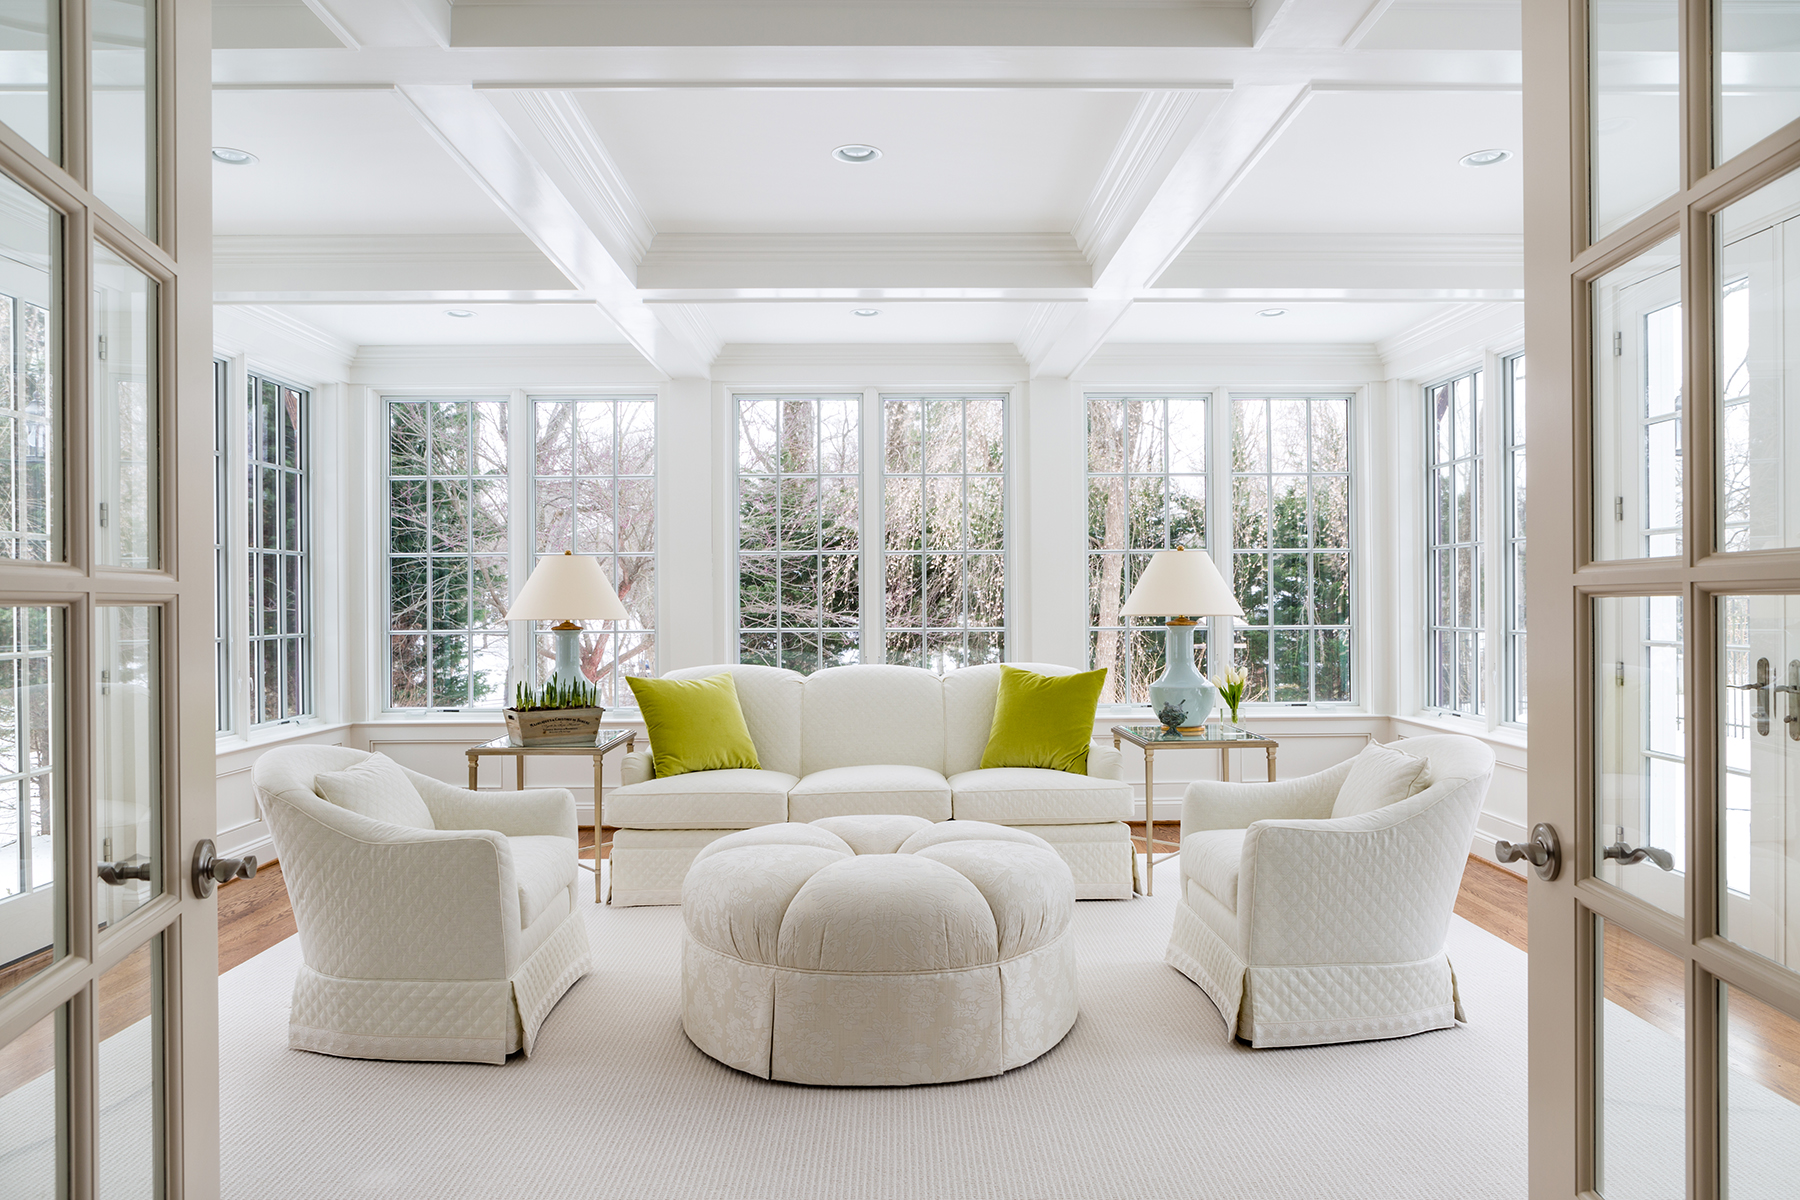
(694, 466)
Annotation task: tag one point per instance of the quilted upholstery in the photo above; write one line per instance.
(1378, 777)
(849, 791)
(948, 959)
(1009, 795)
(854, 716)
(417, 941)
(1339, 923)
(376, 787)
(701, 800)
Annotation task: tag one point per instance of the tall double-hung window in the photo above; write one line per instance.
(471, 509)
(1458, 566)
(809, 541)
(279, 552)
(1514, 631)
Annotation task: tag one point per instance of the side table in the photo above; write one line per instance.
(1221, 736)
(606, 740)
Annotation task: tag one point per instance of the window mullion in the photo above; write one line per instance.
(521, 523)
(1221, 633)
(873, 526)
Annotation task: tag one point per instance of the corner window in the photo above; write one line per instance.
(1457, 563)
(277, 521)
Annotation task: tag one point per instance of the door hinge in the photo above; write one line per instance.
(102, 341)
(1618, 343)
(1618, 508)
(1619, 673)
(103, 514)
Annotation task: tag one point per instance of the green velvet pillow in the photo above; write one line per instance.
(1043, 720)
(694, 724)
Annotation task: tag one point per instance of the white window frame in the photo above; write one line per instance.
(1512, 629)
(1478, 627)
(253, 638)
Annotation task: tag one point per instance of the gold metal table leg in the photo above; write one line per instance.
(1271, 752)
(1149, 822)
(473, 763)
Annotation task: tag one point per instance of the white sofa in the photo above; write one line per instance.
(852, 741)
(448, 944)
(1303, 928)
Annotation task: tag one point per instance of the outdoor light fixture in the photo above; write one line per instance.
(856, 152)
(233, 158)
(1485, 158)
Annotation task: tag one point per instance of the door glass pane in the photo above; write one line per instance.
(1758, 315)
(130, 1076)
(1759, 831)
(34, 1083)
(30, 47)
(30, 348)
(125, 412)
(1755, 44)
(1640, 790)
(1640, 1076)
(1761, 1097)
(1634, 71)
(1637, 356)
(126, 732)
(32, 900)
(124, 100)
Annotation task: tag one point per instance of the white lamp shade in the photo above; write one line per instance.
(1181, 583)
(567, 587)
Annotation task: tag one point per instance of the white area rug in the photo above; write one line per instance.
(1147, 1097)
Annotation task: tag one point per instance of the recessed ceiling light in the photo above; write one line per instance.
(1485, 158)
(856, 152)
(458, 312)
(865, 312)
(233, 158)
(1273, 312)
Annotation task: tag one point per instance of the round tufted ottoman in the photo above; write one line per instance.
(877, 950)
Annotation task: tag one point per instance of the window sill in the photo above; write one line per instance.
(1500, 735)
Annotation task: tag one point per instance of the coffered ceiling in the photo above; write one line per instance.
(1058, 175)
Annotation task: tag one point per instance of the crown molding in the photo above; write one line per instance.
(689, 321)
(864, 364)
(1131, 174)
(1453, 338)
(767, 262)
(559, 120)
(500, 366)
(1459, 266)
(276, 340)
(1343, 364)
(1437, 249)
(307, 249)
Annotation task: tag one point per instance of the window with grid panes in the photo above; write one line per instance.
(1513, 371)
(799, 531)
(28, 850)
(448, 540)
(27, 419)
(594, 492)
(1146, 486)
(279, 536)
(943, 514)
(1290, 528)
(221, 564)
(1457, 562)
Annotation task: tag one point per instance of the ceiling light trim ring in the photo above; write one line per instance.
(856, 153)
(1485, 158)
(231, 156)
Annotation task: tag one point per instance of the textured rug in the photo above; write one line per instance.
(1147, 1097)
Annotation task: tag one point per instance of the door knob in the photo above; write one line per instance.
(211, 870)
(118, 874)
(1543, 851)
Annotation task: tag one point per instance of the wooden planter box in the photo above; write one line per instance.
(553, 726)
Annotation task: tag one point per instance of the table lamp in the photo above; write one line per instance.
(567, 588)
(1181, 586)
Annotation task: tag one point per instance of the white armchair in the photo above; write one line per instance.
(445, 944)
(1304, 929)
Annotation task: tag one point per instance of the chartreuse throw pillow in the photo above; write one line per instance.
(1043, 720)
(694, 724)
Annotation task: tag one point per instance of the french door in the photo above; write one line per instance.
(108, 958)
(1662, 150)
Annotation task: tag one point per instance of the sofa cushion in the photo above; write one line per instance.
(376, 788)
(1034, 796)
(694, 724)
(1379, 776)
(1043, 720)
(856, 791)
(872, 713)
(969, 695)
(544, 867)
(1211, 859)
(770, 699)
(701, 800)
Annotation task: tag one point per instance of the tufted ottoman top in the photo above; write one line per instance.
(882, 894)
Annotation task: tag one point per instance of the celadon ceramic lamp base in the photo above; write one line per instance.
(1181, 684)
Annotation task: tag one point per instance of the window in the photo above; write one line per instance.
(1146, 487)
(27, 415)
(1457, 565)
(1290, 523)
(1514, 374)
(28, 847)
(221, 564)
(276, 521)
(944, 537)
(594, 492)
(448, 540)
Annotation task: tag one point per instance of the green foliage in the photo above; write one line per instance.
(577, 693)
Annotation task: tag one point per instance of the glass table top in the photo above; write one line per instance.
(602, 740)
(1215, 734)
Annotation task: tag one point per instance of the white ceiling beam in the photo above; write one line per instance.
(432, 266)
(1312, 24)
(1160, 127)
(362, 24)
(1303, 262)
(1216, 158)
(749, 266)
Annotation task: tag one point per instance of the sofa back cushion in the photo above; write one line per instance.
(1379, 776)
(770, 700)
(694, 725)
(871, 714)
(969, 696)
(378, 789)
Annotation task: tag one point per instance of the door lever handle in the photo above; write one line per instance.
(118, 874)
(1762, 686)
(1628, 856)
(1543, 851)
(210, 870)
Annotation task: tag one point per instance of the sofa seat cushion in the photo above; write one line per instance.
(1036, 796)
(857, 791)
(739, 799)
(545, 868)
(1210, 859)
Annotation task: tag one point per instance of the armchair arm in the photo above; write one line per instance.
(1105, 761)
(638, 766)
(1212, 805)
(379, 901)
(538, 811)
(1373, 888)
